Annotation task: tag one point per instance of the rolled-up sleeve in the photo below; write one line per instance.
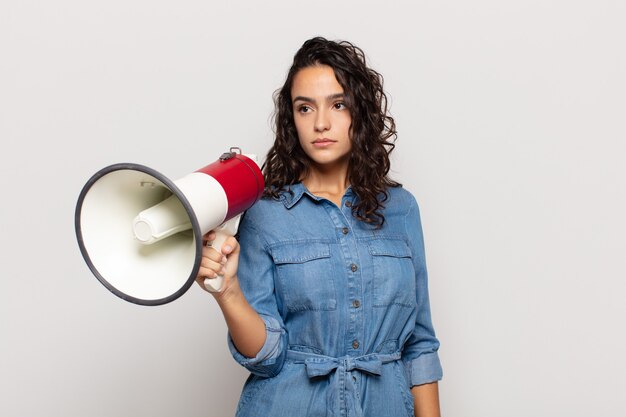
(268, 361)
(420, 355)
(256, 278)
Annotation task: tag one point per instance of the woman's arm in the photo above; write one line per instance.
(426, 400)
(420, 351)
(245, 326)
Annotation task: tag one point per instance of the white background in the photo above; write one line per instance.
(512, 136)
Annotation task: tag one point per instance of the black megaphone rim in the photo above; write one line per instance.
(188, 208)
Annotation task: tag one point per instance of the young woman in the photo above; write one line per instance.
(325, 294)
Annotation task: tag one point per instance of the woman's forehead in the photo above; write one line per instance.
(317, 82)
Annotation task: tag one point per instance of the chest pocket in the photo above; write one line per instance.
(305, 274)
(394, 274)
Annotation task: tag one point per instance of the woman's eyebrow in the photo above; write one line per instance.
(311, 100)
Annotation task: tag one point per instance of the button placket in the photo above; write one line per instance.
(347, 239)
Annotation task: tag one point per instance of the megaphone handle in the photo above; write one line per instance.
(215, 284)
(223, 232)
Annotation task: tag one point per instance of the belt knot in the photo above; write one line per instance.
(320, 366)
(342, 395)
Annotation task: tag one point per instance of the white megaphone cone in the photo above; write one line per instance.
(141, 233)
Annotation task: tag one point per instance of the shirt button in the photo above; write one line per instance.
(348, 203)
(345, 230)
(356, 304)
(353, 267)
(355, 344)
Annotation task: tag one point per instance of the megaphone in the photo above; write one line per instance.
(141, 233)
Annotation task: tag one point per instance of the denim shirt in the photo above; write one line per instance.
(345, 307)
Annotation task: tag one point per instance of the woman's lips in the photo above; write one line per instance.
(322, 143)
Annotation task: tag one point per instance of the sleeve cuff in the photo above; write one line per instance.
(270, 353)
(424, 369)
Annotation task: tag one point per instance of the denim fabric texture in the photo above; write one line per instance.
(345, 306)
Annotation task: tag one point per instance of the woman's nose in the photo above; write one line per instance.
(322, 121)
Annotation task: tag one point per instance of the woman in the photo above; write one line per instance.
(325, 294)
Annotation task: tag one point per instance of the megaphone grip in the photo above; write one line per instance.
(216, 284)
(226, 230)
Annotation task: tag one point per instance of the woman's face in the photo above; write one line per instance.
(321, 117)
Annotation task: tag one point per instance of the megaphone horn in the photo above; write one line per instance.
(141, 233)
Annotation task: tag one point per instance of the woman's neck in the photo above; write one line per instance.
(329, 184)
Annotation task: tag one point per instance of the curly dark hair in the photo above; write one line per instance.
(373, 130)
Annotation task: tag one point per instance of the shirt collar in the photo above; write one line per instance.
(292, 194)
(290, 199)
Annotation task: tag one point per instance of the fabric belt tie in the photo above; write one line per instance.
(343, 396)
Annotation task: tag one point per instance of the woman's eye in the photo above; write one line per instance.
(340, 106)
(304, 109)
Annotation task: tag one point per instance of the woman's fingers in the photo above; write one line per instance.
(208, 237)
(212, 261)
(211, 254)
(215, 264)
(230, 246)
